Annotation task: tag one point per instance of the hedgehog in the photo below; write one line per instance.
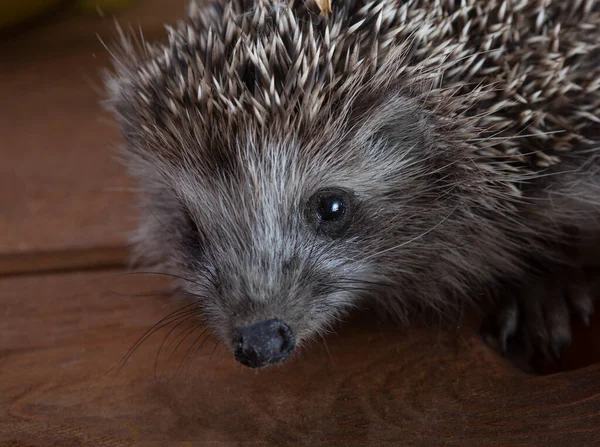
(297, 161)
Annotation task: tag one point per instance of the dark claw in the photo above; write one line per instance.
(557, 348)
(508, 321)
(535, 321)
(538, 320)
(501, 326)
(558, 318)
(582, 303)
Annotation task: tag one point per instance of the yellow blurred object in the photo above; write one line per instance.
(13, 12)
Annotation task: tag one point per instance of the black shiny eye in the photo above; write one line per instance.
(331, 208)
(329, 211)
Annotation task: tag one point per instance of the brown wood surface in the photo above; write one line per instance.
(61, 191)
(65, 207)
(373, 384)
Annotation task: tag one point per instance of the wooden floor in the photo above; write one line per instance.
(70, 311)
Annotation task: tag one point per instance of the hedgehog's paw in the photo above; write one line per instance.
(538, 319)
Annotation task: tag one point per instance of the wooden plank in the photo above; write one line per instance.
(374, 385)
(60, 188)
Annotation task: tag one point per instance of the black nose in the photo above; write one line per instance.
(263, 343)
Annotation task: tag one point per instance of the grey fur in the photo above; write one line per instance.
(468, 133)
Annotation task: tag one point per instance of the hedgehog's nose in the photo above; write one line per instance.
(263, 343)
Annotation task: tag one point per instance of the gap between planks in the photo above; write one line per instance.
(61, 261)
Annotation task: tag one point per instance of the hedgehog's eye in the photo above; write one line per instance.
(328, 211)
(331, 208)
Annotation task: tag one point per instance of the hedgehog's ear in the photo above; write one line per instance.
(126, 50)
(114, 96)
(118, 102)
(398, 119)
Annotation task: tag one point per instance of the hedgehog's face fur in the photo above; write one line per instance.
(291, 186)
(275, 223)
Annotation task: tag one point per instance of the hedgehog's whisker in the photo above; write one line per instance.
(171, 318)
(200, 346)
(183, 320)
(413, 239)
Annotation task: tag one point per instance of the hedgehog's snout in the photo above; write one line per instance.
(263, 343)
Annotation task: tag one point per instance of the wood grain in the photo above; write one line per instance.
(60, 187)
(373, 385)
